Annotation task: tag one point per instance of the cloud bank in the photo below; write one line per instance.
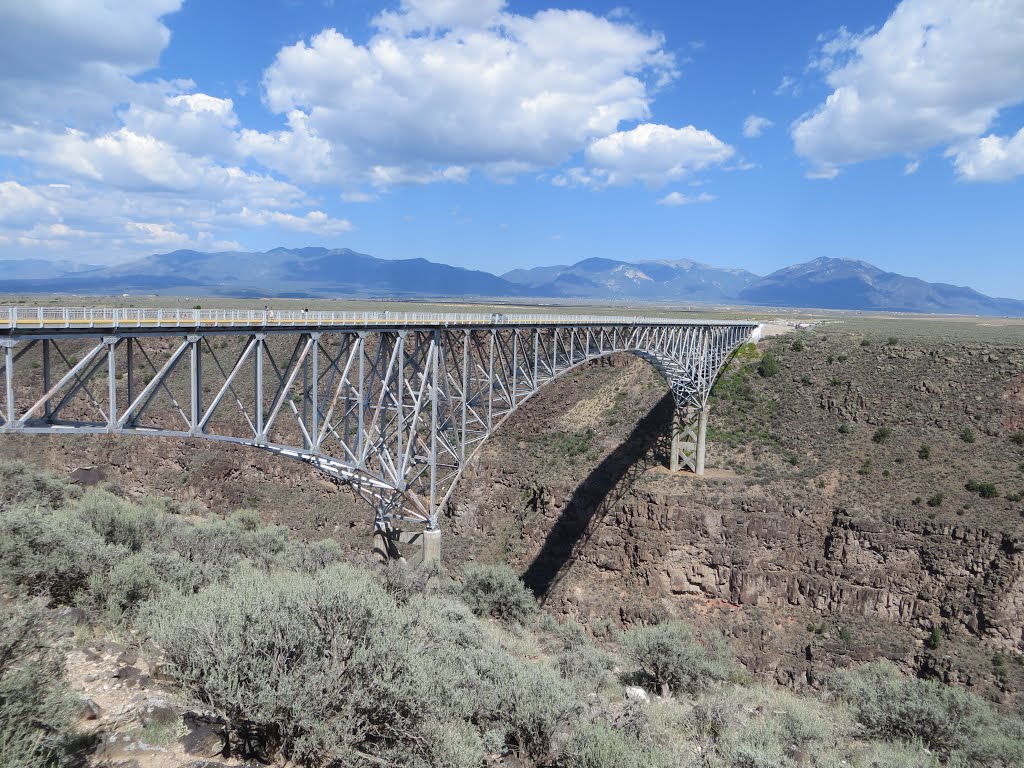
(936, 74)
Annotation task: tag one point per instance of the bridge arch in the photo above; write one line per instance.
(395, 405)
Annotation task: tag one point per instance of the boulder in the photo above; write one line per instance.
(636, 693)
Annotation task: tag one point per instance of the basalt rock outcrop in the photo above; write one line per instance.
(811, 546)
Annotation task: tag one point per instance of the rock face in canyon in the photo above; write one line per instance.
(812, 543)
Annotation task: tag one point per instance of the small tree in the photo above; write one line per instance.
(673, 659)
(881, 435)
(769, 365)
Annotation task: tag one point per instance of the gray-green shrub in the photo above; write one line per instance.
(495, 590)
(119, 521)
(948, 720)
(599, 745)
(130, 582)
(50, 553)
(576, 657)
(673, 659)
(21, 484)
(530, 701)
(757, 720)
(404, 581)
(310, 556)
(329, 666)
(37, 709)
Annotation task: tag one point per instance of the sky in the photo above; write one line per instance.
(497, 134)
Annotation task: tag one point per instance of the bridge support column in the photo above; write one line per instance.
(385, 542)
(431, 547)
(425, 545)
(689, 435)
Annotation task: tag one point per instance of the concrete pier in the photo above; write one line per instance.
(418, 547)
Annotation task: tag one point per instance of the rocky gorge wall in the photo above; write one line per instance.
(806, 558)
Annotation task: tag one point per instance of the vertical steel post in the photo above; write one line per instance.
(515, 365)
(305, 392)
(315, 395)
(432, 524)
(196, 382)
(465, 392)
(536, 359)
(130, 374)
(46, 378)
(111, 382)
(258, 385)
(677, 428)
(490, 385)
(9, 376)
(360, 432)
(399, 461)
(702, 431)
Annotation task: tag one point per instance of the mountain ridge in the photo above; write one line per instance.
(318, 272)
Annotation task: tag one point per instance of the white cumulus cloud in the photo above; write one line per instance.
(990, 158)
(61, 60)
(444, 88)
(21, 205)
(196, 123)
(654, 154)
(937, 73)
(755, 125)
(678, 198)
(316, 222)
(417, 15)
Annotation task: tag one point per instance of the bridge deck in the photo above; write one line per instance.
(29, 320)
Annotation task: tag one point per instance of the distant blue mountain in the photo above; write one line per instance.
(295, 272)
(682, 279)
(849, 284)
(341, 272)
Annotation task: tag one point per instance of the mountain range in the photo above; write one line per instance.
(320, 272)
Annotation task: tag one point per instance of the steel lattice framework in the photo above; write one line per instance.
(393, 404)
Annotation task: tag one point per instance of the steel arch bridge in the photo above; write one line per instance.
(393, 404)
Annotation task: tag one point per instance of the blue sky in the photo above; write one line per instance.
(497, 135)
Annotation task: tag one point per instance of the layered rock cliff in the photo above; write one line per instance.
(812, 543)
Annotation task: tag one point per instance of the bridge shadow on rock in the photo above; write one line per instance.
(608, 483)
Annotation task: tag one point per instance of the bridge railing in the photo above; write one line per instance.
(15, 318)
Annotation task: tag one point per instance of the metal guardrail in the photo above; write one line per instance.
(77, 318)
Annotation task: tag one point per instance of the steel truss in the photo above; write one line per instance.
(396, 411)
